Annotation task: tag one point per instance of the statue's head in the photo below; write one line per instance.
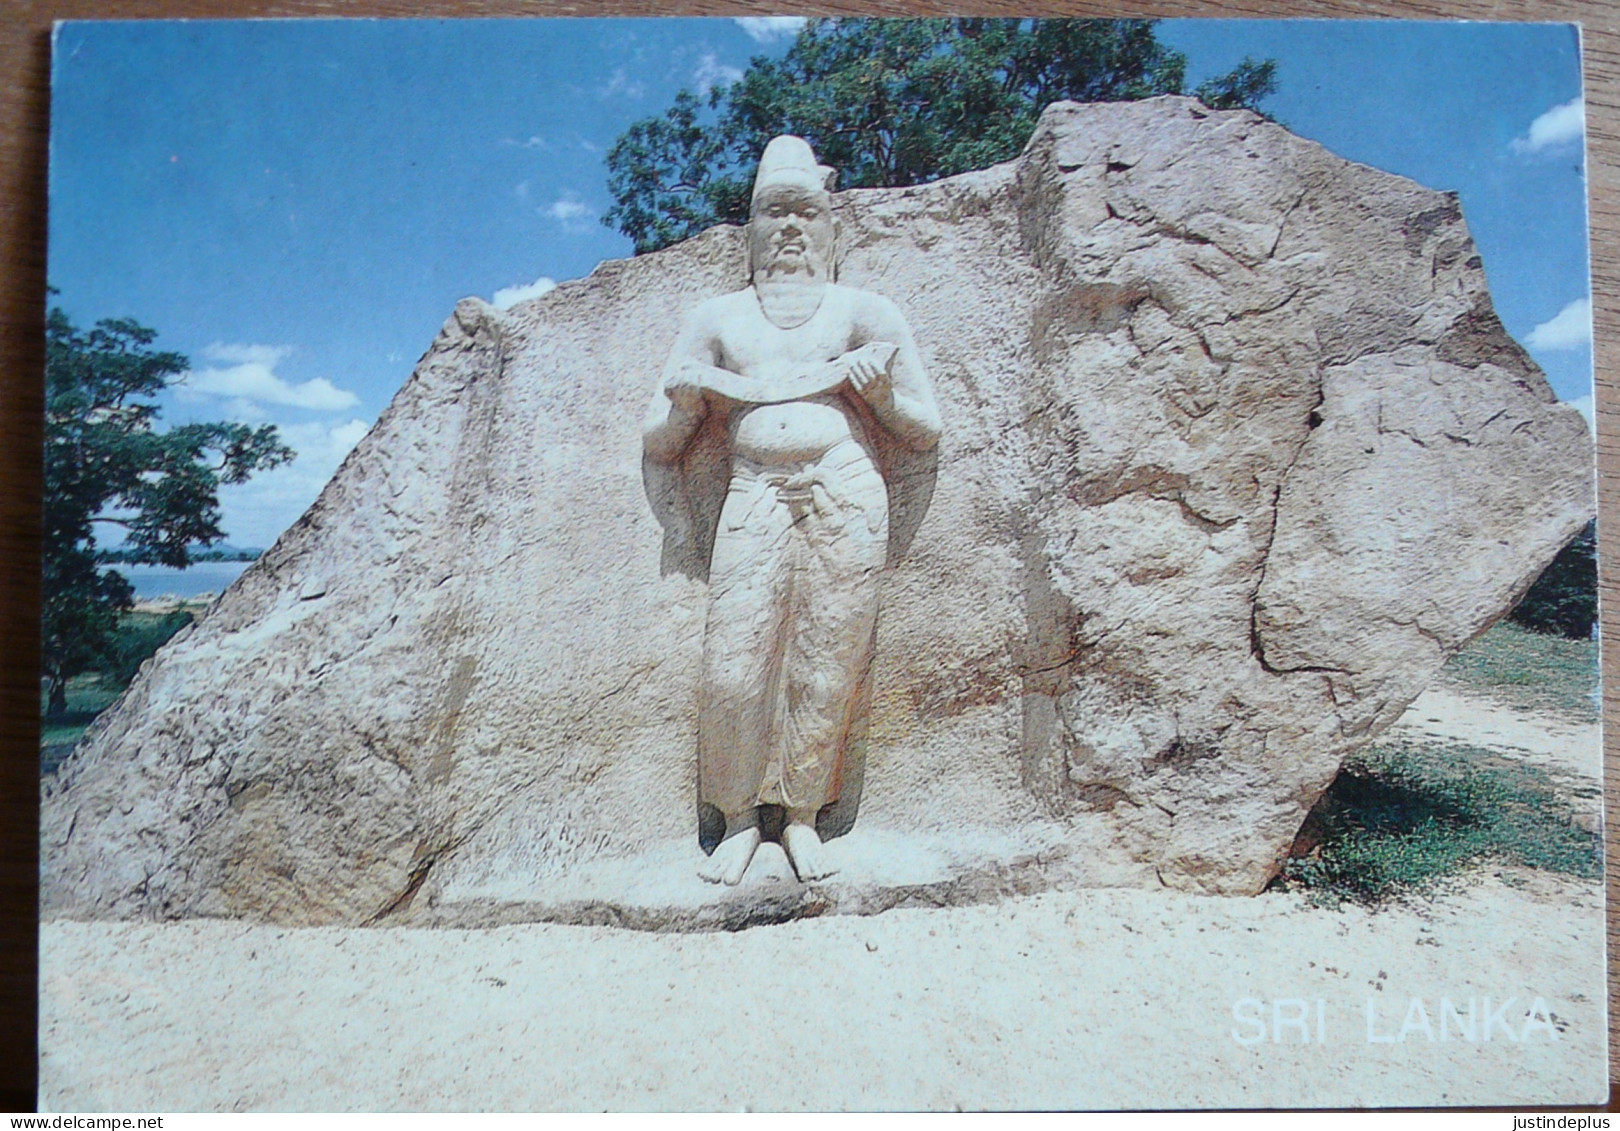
(790, 226)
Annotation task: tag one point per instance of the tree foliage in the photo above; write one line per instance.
(107, 462)
(888, 102)
(1564, 599)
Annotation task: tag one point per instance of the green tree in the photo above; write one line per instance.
(888, 102)
(106, 462)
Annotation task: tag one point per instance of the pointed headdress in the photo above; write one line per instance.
(790, 160)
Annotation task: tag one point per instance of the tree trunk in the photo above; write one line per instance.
(57, 706)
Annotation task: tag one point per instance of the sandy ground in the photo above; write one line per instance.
(1570, 752)
(1080, 999)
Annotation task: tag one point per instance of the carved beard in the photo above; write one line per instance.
(790, 293)
(808, 263)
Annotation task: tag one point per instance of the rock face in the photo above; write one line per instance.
(1236, 454)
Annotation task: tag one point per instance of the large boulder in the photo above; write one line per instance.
(1236, 455)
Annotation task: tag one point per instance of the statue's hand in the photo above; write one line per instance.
(870, 371)
(684, 387)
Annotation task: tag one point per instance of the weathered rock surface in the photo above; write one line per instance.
(1236, 455)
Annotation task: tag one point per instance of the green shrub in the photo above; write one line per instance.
(1564, 598)
(139, 636)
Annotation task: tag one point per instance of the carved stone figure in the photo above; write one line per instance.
(805, 373)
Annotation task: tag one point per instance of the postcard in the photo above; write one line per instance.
(780, 563)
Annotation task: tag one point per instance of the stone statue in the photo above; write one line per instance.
(806, 374)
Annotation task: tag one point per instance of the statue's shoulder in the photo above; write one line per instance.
(867, 308)
(714, 313)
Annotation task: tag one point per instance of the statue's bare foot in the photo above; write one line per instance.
(805, 850)
(731, 859)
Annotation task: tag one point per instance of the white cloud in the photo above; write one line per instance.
(621, 85)
(534, 141)
(1569, 329)
(256, 384)
(508, 297)
(240, 353)
(245, 375)
(1557, 127)
(711, 73)
(566, 208)
(239, 381)
(256, 512)
(768, 29)
(570, 213)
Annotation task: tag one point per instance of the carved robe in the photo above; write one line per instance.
(793, 599)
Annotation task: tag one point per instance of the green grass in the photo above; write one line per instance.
(1401, 819)
(1530, 670)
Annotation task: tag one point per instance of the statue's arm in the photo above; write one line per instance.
(905, 402)
(678, 406)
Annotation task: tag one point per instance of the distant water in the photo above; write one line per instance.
(162, 581)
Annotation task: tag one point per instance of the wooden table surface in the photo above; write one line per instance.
(25, 27)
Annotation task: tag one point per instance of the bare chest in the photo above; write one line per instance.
(754, 347)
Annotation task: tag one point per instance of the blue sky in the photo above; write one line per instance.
(297, 206)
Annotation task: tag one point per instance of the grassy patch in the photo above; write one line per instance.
(140, 634)
(87, 695)
(1400, 818)
(1530, 670)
